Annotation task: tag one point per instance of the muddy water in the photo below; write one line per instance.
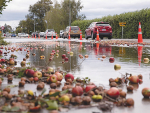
(99, 70)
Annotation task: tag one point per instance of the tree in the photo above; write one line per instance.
(7, 28)
(3, 5)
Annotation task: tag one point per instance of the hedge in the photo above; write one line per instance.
(132, 20)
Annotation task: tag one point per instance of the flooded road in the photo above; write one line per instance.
(98, 69)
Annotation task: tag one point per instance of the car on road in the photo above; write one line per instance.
(104, 29)
(35, 34)
(41, 34)
(49, 33)
(74, 32)
(61, 33)
(13, 35)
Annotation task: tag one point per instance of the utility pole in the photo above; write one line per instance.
(69, 12)
(34, 22)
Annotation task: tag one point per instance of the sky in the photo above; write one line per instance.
(18, 9)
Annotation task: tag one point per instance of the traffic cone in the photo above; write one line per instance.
(97, 48)
(80, 35)
(28, 36)
(69, 35)
(32, 36)
(46, 36)
(56, 36)
(39, 36)
(35, 36)
(140, 40)
(52, 36)
(97, 37)
(140, 48)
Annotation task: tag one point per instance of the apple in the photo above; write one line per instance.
(53, 78)
(65, 98)
(23, 63)
(117, 67)
(1, 52)
(57, 51)
(103, 56)
(63, 56)
(71, 53)
(30, 92)
(146, 92)
(89, 87)
(86, 56)
(111, 59)
(67, 76)
(59, 76)
(50, 69)
(37, 74)
(35, 79)
(77, 91)
(29, 72)
(146, 60)
(134, 79)
(3, 60)
(66, 59)
(113, 92)
(52, 54)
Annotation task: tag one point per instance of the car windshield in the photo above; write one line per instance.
(74, 28)
(102, 24)
(50, 30)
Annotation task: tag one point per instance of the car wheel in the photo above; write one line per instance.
(92, 36)
(86, 36)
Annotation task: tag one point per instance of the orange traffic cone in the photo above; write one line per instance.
(69, 35)
(46, 36)
(140, 48)
(97, 38)
(80, 35)
(35, 36)
(32, 36)
(28, 36)
(39, 36)
(52, 36)
(140, 40)
(97, 48)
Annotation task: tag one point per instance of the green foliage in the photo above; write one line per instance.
(3, 5)
(2, 42)
(132, 20)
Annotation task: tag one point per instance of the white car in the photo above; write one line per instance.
(22, 35)
(41, 34)
(50, 33)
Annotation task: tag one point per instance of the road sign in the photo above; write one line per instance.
(120, 23)
(2, 27)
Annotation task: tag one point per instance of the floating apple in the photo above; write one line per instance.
(146, 60)
(111, 59)
(68, 76)
(53, 78)
(89, 87)
(66, 59)
(146, 92)
(29, 72)
(117, 67)
(35, 79)
(134, 79)
(50, 69)
(59, 76)
(23, 63)
(11, 61)
(71, 53)
(37, 74)
(63, 56)
(113, 92)
(86, 56)
(77, 91)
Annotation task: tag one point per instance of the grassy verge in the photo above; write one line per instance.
(2, 42)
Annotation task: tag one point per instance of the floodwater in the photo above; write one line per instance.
(99, 70)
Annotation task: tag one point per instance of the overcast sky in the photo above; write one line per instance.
(17, 9)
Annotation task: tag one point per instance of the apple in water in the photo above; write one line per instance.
(111, 59)
(11, 61)
(113, 92)
(53, 78)
(68, 76)
(37, 74)
(134, 79)
(59, 76)
(117, 67)
(63, 56)
(50, 69)
(146, 60)
(66, 59)
(29, 72)
(77, 91)
(23, 63)
(89, 87)
(146, 92)
(35, 79)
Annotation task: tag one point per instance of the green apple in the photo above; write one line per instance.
(117, 67)
(99, 97)
(94, 96)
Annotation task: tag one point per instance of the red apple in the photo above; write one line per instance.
(59, 76)
(146, 92)
(11, 61)
(29, 72)
(35, 79)
(134, 79)
(3, 60)
(66, 59)
(37, 74)
(53, 51)
(53, 78)
(113, 92)
(111, 59)
(77, 91)
(67, 76)
(63, 56)
(1, 52)
(89, 87)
